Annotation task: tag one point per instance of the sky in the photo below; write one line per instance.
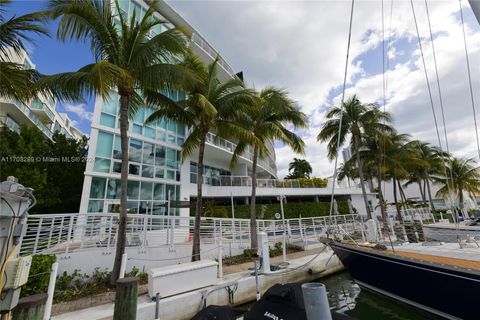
(301, 46)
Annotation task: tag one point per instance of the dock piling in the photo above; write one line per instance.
(316, 301)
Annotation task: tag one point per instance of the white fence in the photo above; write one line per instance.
(62, 233)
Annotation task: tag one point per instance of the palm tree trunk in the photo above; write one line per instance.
(427, 183)
(360, 175)
(395, 198)
(253, 200)
(402, 193)
(199, 205)
(380, 197)
(419, 182)
(122, 223)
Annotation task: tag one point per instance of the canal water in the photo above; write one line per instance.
(345, 296)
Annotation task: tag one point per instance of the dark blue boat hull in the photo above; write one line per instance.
(452, 293)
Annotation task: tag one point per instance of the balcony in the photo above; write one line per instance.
(21, 109)
(10, 123)
(198, 40)
(42, 110)
(229, 146)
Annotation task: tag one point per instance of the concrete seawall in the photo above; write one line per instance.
(186, 305)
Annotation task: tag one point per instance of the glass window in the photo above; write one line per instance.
(180, 141)
(132, 206)
(177, 192)
(160, 155)
(172, 126)
(178, 176)
(158, 209)
(95, 206)
(148, 153)
(171, 158)
(110, 105)
(169, 191)
(104, 144)
(159, 172)
(124, 5)
(117, 167)
(97, 189)
(113, 189)
(132, 190)
(107, 120)
(139, 116)
(180, 130)
(146, 193)
(193, 167)
(160, 135)
(135, 151)
(101, 165)
(159, 191)
(171, 139)
(145, 207)
(134, 169)
(147, 171)
(117, 149)
(137, 128)
(170, 174)
(162, 123)
(150, 132)
(193, 178)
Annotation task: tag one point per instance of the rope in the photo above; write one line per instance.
(469, 77)
(290, 270)
(430, 93)
(334, 180)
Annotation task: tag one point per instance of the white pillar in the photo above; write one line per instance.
(51, 291)
(123, 266)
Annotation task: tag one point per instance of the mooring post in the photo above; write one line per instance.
(157, 306)
(220, 259)
(126, 299)
(316, 301)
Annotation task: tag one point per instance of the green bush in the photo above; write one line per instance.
(39, 275)
(292, 210)
(249, 254)
(77, 285)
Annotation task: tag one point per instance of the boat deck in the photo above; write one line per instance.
(463, 263)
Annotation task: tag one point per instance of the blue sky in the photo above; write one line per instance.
(51, 56)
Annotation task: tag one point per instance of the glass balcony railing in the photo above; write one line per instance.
(33, 117)
(10, 123)
(39, 105)
(210, 51)
(230, 146)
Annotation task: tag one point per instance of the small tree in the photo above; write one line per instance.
(299, 168)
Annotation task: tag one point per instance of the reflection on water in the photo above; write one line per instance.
(345, 296)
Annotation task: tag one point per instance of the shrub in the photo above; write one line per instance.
(39, 275)
(292, 210)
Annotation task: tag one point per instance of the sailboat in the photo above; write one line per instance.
(438, 277)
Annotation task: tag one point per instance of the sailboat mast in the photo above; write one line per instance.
(475, 4)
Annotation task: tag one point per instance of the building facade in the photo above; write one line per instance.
(40, 112)
(156, 172)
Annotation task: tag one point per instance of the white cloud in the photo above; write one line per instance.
(80, 110)
(301, 46)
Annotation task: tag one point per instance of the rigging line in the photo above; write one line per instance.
(334, 179)
(469, 77)
(439, 90)
(430, 94)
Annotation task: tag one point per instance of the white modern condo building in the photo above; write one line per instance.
(40, 112)
(156, 172)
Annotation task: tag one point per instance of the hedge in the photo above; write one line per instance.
(267, 211)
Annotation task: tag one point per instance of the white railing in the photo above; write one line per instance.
(245, 181)
(202, 43)
(412, 214)
(62, 233)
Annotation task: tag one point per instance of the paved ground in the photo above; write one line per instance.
(291, 256)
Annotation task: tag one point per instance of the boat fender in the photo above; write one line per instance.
(380, 246)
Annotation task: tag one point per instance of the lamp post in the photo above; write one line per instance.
(284, 244)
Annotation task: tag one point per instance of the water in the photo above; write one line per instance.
(345, 296)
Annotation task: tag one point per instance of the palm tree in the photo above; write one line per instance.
(357, 119)
(15, 81)
(430, 162)
(267, 118)
(301, 169)
(466, 178)
(129, 60)
(209, 106)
